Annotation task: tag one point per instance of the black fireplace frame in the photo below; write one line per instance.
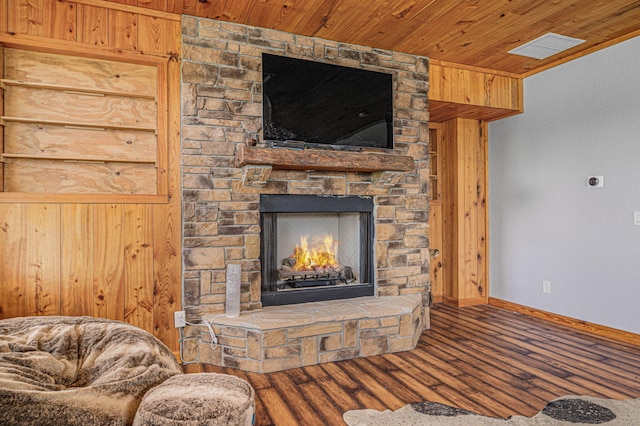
(271, 205)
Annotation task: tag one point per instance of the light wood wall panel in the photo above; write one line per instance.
(138, 250)
(77, 263)
(43, 18)
(123, 30)
(115, 260)
(465, 212)
(435, 242)
(31, 235)
(93, 25)
(3, 11)
(108, 269)
(437, 172)
(13, 251)
(84, 73)
(30, 103)
(43, 139)
(167, 231)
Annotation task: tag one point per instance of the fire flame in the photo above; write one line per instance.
(322, 255)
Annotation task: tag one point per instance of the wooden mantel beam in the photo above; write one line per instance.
(321, 159)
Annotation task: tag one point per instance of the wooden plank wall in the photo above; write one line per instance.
(464, 212)
(437, 264)
(113, 260)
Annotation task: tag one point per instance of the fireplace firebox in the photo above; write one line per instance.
(315, 248)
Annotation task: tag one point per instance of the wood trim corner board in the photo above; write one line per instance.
(600, 330)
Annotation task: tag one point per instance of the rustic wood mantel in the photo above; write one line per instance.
(321, 159)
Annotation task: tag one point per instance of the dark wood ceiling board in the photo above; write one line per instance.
(490, 37)
(214, 9)
(380, 19)
(174, 6)
(544, 18)
(239, 12)
(598, 22)
(280, 14)
(616, 25)
(189, 7)
(312, 23)
(347, 21)
(421, 33)
(474, 44)
(582, 14)
(468, 32)
(400, 23)
(530, 7)
(494, 55)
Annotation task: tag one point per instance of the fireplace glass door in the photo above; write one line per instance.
(315, 248)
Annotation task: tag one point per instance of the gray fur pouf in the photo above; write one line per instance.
(206, 399)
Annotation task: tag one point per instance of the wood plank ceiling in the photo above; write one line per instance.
(475, 33)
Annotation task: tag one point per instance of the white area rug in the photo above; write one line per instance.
(567, 410)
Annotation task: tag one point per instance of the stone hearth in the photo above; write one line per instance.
(221, 112)
(280, 337)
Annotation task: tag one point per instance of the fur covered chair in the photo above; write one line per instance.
(77, 370)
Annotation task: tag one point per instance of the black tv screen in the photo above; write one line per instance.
(324, 104)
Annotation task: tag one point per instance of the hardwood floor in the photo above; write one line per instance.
(483, 358)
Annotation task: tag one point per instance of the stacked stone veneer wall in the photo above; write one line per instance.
(222, 108)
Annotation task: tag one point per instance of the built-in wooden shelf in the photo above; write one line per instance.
(74, 125)
(321, 159)
(73, 89)
(72, 159)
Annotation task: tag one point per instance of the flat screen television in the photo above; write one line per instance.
(315, 104)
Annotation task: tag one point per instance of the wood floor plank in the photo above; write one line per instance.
(460, 391)
(568, 360)
(419, 369)
(363, 397)
(401, 392)
(569, 365)
(289, 392)
(340, 397)
(374, 387)
(278, 410)
(426, 393)
(521, 366)
(329, 413)
(482, 358)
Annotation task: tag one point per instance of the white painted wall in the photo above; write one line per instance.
(581, 118)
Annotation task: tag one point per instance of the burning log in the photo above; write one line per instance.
(289, 273)
(315, 263)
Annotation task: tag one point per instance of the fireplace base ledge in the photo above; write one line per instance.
(281, 337)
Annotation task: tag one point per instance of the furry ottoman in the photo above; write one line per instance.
(77, 370)
(198, 399)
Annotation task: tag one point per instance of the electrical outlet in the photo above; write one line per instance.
(546, 286)
(636, 218)
(179, 319)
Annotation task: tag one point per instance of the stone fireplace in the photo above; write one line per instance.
(377, 302)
